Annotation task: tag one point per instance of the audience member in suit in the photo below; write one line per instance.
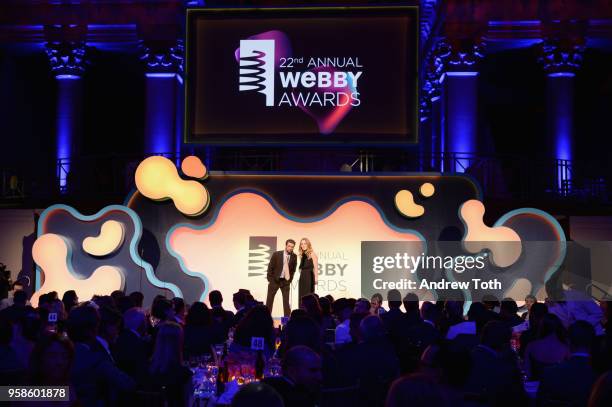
(425, 333)
(411, 305)
(125, 303)
(494, 375)
(51, 362)
(220, 315)
(166, 369)
(240, 303)
(138, 298)
(571, 381)
(536, 313)
(479, 314)
(108, 332)
(394, 319)
(508, 312)
(179, 310)
(200, 333)
(96, 380)
(133, 348)
(299, 385)
(372, 363)
(549, 349)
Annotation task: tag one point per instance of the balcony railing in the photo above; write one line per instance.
(500, 177)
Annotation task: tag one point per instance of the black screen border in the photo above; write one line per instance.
(247, 140)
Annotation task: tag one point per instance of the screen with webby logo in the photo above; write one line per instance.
(305, 75)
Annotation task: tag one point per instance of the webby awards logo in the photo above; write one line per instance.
(257, 68)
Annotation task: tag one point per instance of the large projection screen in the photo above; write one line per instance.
(312, 76)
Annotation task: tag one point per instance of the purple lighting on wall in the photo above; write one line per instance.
(69, 91)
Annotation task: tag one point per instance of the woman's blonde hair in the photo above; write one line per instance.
(308, 247)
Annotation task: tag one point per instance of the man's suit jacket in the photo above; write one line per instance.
(569, 381)
(95, 379)
(275, 267)
(132, 355)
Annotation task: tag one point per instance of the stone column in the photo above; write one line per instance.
(67, 61)
(561, 60)
(162, 77)
(458, 63)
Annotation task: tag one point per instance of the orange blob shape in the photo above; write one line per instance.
(503, 242)
(51, 253)
(157, 178)
(193, 167)
(404, 202)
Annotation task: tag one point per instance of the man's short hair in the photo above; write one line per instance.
(215, 298)
(296, 357)
(134, 318)
(289, 241)
(394, 298)
(20, 297)
(82, 322)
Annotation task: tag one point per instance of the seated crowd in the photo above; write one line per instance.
(110, 350)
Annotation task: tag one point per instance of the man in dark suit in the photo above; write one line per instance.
(394, 318)
(95, 378)
(571, 381)
(299, 386)
(132, 348)
(494, 376)
(280, 273)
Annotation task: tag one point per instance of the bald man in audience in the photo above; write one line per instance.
(299, 386)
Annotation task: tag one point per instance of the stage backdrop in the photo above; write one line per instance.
(187, 233)
(332, 75)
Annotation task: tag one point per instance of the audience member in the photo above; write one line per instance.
(508, 312)
(494, 377)
(411, 305)
(529, 301)
(138, 298)
(416, 390)
(343, 310)
(570, 381)
(166, 369)
(257, 395)
(133, 348)
(51, 361)
(536, 314)
(362, 306)
(178, 305)
(200, 333)
(299, 385)
(96, 380)
(549, 349)
(257, 323)
(70, 300)
(377, 308)
(310, 304)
